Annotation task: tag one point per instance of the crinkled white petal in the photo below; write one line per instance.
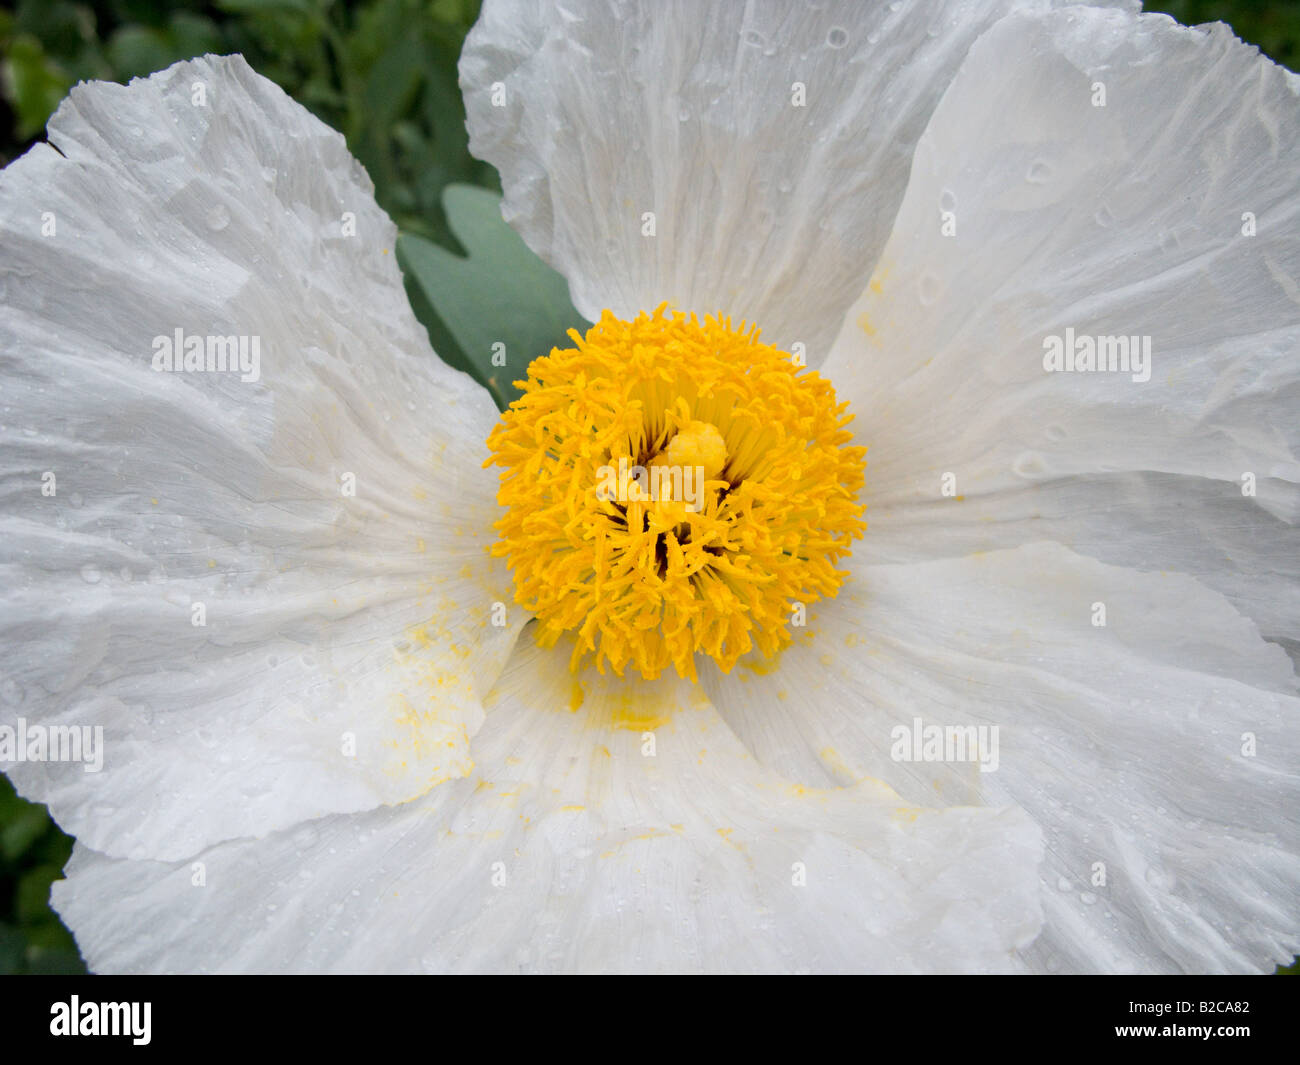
(743, 158)
(1158, 751)
(1096, 172)
(258, 644)
(576, 845)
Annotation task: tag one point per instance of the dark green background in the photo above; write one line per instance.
(384, 73)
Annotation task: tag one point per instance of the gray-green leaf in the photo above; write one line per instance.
(499, 300)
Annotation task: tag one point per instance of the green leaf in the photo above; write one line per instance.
(12, 944)
(20, 827)
(43, 961)
(136, 51)
(33, 83)
(270, 7)
(500, 293)
(32, 899)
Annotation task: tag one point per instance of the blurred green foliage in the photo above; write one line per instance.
(383, 72)
(32, 855)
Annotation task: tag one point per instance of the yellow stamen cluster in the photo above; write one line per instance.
(649, 579)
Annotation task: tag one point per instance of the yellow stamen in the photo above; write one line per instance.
(673, 487)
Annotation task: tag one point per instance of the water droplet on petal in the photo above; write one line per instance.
(1039, 172)
(218, 217)
(1029, 465)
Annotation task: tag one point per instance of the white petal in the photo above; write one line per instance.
(1118, 220)
(1127, 742)
(326, 614)
(572, 849)
(597, 114)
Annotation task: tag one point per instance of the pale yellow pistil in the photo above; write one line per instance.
(741, 496)
(694, 456)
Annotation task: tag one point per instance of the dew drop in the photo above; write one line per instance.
(1039, 172)
(1088, 898)
(218, 218)
(838, 37)
(1029, 465)
(90, 574)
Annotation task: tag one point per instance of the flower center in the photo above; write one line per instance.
(674, 487)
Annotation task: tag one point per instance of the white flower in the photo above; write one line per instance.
(348, 767)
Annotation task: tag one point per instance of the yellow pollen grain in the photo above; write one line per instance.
(751, 500)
